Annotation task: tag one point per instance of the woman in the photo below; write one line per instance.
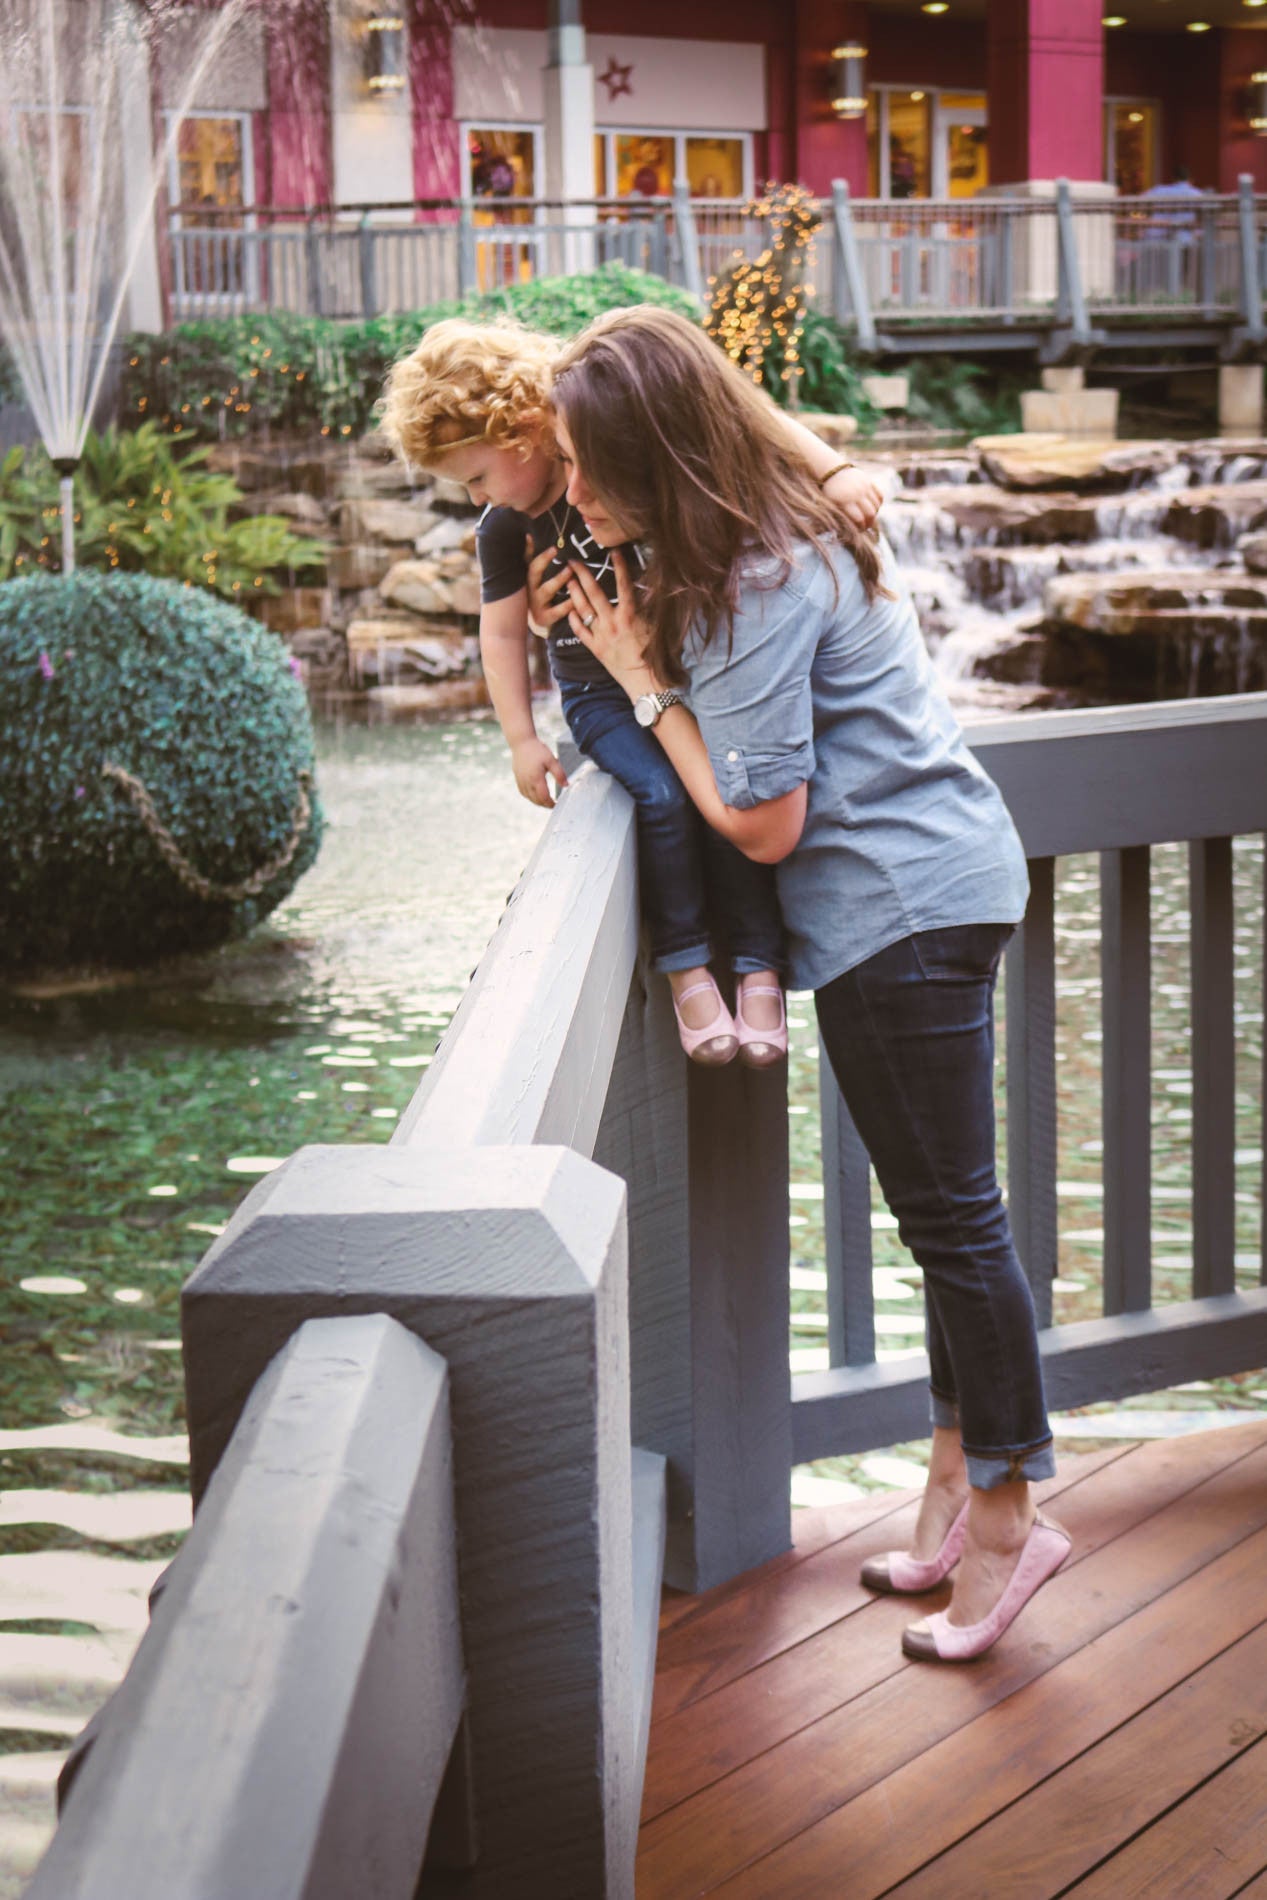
(814, 736)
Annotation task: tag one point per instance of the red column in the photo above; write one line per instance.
(298, 54)
(827, 147)
(1241, 53)
(1046, 89)
(437, 159)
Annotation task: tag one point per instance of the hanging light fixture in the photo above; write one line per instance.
(385, 53)
(849, 92)
(1256, 103)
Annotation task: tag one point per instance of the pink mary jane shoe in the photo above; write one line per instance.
(897, 1573)
(717, 1042)
(760, 1048)
(937, 1639)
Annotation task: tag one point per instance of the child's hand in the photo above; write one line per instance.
(857, 495)
(545, 605)
(534, 766)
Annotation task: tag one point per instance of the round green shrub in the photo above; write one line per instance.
(102, 674)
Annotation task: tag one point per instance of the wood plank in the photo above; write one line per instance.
(764, 1706)
(1208, 1844)
(829, 1761)
(1062, 1830)
(1126, 1011)
(960, 1783)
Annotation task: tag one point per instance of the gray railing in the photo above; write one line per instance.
(558, 1139)
(1065, 271)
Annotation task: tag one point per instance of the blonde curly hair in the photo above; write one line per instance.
(471, 382)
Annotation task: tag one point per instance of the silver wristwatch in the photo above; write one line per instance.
(648, 706)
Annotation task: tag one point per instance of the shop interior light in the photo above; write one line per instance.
(1256, 3)
(1257, 104)
(1113, 19)
(917, 96)
(935, 6)
(385, 53)
(1198, 26)
(849, 93)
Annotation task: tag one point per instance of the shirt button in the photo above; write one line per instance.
(732, 758)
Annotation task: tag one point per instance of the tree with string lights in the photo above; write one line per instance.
(757, 306)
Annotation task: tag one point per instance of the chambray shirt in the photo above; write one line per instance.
(904, 830)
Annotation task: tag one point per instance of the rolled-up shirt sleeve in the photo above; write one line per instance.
(751, 695)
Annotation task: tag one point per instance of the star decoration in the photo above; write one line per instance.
(616, 79)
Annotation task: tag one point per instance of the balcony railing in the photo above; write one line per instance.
(589, 1238)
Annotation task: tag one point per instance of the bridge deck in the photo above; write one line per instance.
(1114, 1745)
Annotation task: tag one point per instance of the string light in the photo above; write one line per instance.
(760, 300)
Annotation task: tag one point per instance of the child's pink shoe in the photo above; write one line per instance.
(716, 1043)
(760, 1048)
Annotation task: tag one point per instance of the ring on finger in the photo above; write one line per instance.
(587, 620)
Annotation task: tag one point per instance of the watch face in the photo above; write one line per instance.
(646, 710)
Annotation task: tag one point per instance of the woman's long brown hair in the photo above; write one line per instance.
(689, 455)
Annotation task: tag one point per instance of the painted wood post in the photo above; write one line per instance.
(1031, 1087)
(369, 288)
(1126, 1017)
(691, 276)
(1251, 298)
(284, 1728)
(510, 1263)
(1072, 301)
(705, 1157)
(847, 1229)
(850, 294)
(1213, 1068)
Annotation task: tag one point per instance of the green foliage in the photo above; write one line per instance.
(144, 505)
(10, 386)
(199, 704)
(239, 376)
(829, 380)
(951, 392)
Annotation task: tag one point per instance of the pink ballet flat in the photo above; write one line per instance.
(760, 1048)
(716, 1043)
(899, 1574)
(937, 1639)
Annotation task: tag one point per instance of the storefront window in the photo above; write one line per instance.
(967, 156)
(503, 162)
(644, 165)
(875, 110)
(210, 161)
(600, 165)
(908, 145)
(714, 167)
(1130, 144)
(29, 132)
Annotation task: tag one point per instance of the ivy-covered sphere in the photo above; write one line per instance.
(156, 771)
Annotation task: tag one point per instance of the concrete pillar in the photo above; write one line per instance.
(1241, 398)
(1045, 74)
(143, 307)
(827, 147)
(569, 136)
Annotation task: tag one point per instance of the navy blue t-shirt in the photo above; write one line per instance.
(500, 534)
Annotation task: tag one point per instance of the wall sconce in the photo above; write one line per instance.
(1256, 103)
(385, 53)
(849, 89)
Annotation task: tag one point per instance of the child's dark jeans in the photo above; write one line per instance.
(691, 878)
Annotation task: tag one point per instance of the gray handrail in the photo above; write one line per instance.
(850, 286)
(1071, 303)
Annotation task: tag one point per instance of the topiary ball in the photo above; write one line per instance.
(156, 771)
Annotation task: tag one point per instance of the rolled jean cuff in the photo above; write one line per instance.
(1032, 1463)
(751, 966)
(943, 1412)
(692, 957)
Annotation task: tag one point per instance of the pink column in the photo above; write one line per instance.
(827, 147)
(437, 166)
(297, 43)
(1046, 90)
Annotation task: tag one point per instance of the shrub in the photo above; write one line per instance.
(108, 675)
(144, 505)
(949, 392)
(238, 376)
(829, 380)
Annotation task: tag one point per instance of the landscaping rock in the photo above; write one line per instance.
(1215, 517)
(1003, 515)
(446, 533)
(445, 696)
(1160, 603)
(1252, 549)
(418, 586)
(395, 522)
(296, 608)
(304, 510)
(360, 566)
(1057, 461)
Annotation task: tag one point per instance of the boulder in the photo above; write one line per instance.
(1161, 602)
(443, 535)
(296, 608)
(1057, 461)
(417, 586)
(1217, 515)
(1005, 516)
(282, 467)
(304, 510)
(359, 566)
(1252, 549)
(444, 696)
(396, 522)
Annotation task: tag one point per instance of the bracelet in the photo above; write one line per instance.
(837, 468)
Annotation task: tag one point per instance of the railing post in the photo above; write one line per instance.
(1208, 285)
(1030, 999)
(312, 251)
(847, 1227)
(511, 1264)
(1071, 302)
(1251, 286)
(369, 292)
(1213, 1068)
(705, 1156)
(849, 293)
(1126, 1013)
(468, 274)
(689, 273)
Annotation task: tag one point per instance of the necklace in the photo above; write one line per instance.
(559, 540)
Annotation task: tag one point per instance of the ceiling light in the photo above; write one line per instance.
(917, 96)
(1113, 19)
(1198, 26)
(1136, 118)
(935, 6)
(1256, 3)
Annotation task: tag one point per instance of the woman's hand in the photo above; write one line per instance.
(615, 635)
(546, 601)
(857, 495)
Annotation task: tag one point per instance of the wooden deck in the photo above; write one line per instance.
(1113, 1745)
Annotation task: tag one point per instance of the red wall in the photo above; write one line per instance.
(1242, 52)
(297, 48)
(1046, 87)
